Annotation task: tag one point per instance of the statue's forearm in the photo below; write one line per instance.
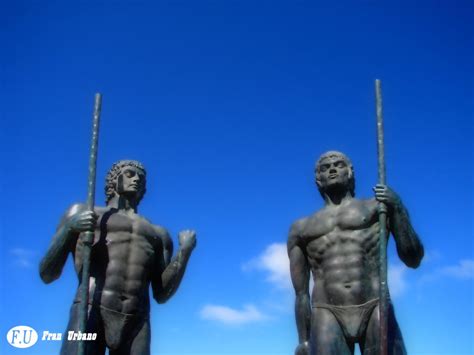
(172, 275)
(409, 247)
(303, 316)
(53, 262)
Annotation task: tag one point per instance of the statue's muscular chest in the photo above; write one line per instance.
(351, 224)
(126, 237)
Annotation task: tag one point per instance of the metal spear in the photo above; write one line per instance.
(382, 211)
(89, 236)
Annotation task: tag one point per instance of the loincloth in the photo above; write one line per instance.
(120, 327)
(353, 319)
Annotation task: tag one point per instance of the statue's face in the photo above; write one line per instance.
(131, 180)
(333, 171)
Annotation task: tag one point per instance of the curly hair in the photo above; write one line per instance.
(336, 154)
(113, 174)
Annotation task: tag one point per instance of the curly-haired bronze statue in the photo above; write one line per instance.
(339, 247)
(128, 254)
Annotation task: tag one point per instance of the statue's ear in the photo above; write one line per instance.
(118, 183)
(351, 172)
(318, 182)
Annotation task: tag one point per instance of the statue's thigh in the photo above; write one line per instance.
(371, 343)
(138, 341)
(94, 324)
(327, 337)
(141, 343)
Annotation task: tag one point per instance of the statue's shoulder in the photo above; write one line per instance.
(298, 226)
(302, 224)
(369, 203)
(163, 234)
(362, 209)
(318, 216)
(160, 230)
(74, 208)
(296, 231)
(71, 211)
(80, 207)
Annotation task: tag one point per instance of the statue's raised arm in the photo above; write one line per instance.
(167, 278)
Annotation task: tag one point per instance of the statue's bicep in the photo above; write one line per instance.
(299, 269)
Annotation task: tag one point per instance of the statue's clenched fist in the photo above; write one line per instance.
(187, 239)
(83, 221)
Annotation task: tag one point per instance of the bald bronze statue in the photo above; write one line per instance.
(339, 246)
(128, 254)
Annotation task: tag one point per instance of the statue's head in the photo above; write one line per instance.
(334, 169)
(126, 177)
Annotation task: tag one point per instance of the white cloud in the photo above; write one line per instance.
(463, 270)
(274, 261)
(231, 316)
(22, 257)
(396, 279)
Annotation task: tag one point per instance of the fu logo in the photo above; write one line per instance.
(22, 336)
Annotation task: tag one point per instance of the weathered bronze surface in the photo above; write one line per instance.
(128, 254)
(339, 246)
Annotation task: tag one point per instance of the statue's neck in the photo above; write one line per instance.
(121, 202)
(337, 196)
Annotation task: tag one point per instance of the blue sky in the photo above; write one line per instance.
(228, 104)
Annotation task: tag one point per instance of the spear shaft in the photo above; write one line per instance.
(89, 236)
(382, 211)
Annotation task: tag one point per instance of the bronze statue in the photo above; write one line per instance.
(339, 246)
(128, 253)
